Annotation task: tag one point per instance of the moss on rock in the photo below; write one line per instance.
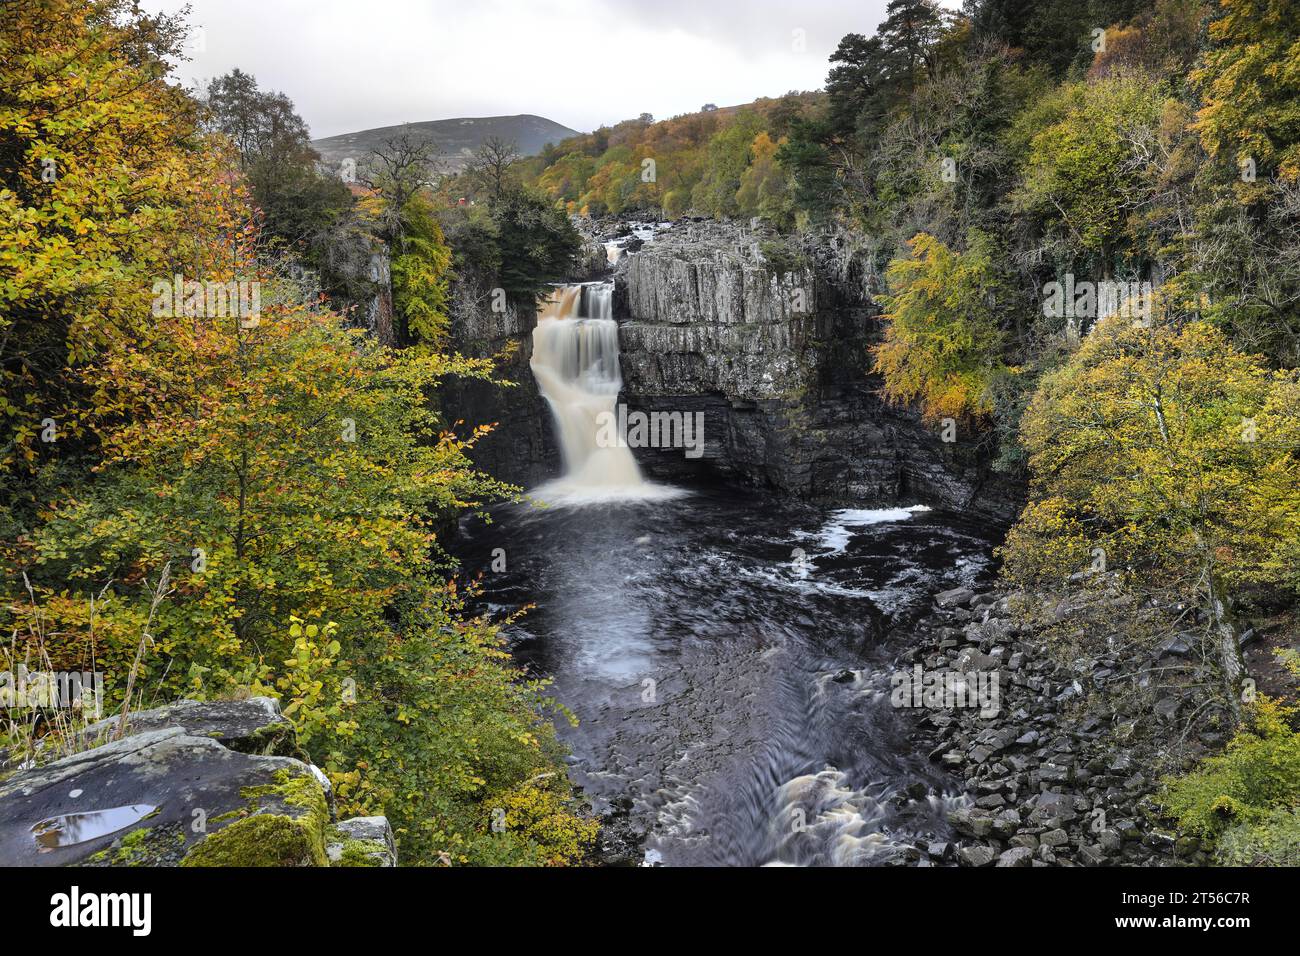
(360, 853)
(284, 826)
(361, 841)
(267, 839)
(147, 846)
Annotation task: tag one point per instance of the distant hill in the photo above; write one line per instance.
(456, 139)
(603, 172)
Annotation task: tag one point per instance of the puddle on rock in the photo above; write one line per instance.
(74, 828)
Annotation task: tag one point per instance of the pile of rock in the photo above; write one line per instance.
(220, 783)
(1054, 777)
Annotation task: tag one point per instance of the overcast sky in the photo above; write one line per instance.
(357, 64)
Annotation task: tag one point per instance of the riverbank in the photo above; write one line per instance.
(1065, 771)
(1062, 774)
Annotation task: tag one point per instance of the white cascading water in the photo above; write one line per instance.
(575, 362)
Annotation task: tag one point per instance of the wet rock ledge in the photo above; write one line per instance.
(220, 783)
(1063, 774)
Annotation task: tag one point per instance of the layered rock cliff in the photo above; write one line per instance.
(521, 449)
(767, 337)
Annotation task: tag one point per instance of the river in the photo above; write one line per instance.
(728, 655)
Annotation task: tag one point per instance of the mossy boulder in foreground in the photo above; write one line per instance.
(251, 726)
(174, 792)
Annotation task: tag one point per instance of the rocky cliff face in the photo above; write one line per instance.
(768, 338)
(522, 448)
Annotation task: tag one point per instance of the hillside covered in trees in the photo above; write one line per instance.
(1085, 221)
(220, 482)
(717, 162)
(226, 474)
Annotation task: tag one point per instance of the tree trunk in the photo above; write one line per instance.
(1224, 633)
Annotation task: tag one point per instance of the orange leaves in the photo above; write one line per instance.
(102, 196)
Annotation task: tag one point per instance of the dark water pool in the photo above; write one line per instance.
(728, 658)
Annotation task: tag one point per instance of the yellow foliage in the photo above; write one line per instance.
(107, 188)
(1169, 450)
(942, 342)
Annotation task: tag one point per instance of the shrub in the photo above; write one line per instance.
(1249, 790)
(1273, 842)
(942, 344)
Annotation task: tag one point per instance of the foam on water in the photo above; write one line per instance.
(835, 534)
(567, 493)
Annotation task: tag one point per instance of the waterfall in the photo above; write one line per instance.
(575, 362)
(598, 303)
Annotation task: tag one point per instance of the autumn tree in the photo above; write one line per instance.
(422, 274)
(764, 186)
(1089, 165)
(400, 171)
(231, 433)
(728, 157)
(294, 457)
(1173, 457)
(289, 473)
(103, 192)
(1250, 83)
(942, 344)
